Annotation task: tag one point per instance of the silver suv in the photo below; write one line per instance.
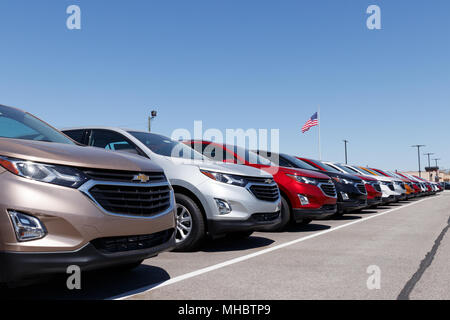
(212, 198)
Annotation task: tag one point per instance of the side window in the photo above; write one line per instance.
(215, 153)
(77, 135)
(111, 140)
(283, 162)
(231, 157)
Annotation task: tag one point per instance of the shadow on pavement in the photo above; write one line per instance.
(95, 285)
(367, 212)
(306, 228)
(229, 244)
(347, 217)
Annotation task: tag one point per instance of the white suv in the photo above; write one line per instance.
(211, 198)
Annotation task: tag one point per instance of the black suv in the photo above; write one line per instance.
(351, 190)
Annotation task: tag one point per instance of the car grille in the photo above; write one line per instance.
(259, 180)
(329, 207)
(325, 181)
(377, 187)
(329, 190)
(260, 217)
(361, 188)
(266, 193)
(129, 243)
(391, 186)
(123, 176)
(132, 200)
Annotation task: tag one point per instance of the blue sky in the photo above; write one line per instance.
(240, 64)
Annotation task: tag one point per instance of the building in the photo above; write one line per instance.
(444, 175)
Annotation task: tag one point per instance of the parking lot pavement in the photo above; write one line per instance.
(327, 259)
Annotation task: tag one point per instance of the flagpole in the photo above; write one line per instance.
(319, 120)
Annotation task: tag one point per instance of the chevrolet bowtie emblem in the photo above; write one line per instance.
(142, 178)
(268, 181)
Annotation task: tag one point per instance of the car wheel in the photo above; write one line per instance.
(190, 229)
(285, 214)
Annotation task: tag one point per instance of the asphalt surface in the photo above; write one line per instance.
(407, 243)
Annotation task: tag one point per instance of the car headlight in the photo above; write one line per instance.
(225, 178)
(306, 180)
(54, 174)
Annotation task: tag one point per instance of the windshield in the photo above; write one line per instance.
(346, 169)
(394, 175)
(325, 166)
(369, 172)
(299, 163)
(16, 124)
(165, 146)
(252, 157)
(381, 172)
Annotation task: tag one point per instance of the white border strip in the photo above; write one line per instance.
(251, 255)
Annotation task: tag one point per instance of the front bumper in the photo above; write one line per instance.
(348, 206)
(241, 200)
(18, 266)
(315, 214)
(72, 221)
(374, 201)
(257, 221)
(388, 199)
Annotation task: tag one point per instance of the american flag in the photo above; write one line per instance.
(313, 121)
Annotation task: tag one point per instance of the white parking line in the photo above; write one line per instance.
(252, 255)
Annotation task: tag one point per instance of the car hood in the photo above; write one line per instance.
(223, 167)
(300, 172)
(74, 155)
(366, 178)
(341, 175)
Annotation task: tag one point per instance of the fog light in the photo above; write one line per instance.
(303, 200)
(27, 227)
(344, 196)
(223, 206)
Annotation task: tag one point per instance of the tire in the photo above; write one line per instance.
(285, 217)
(240, 235)
(190, 229)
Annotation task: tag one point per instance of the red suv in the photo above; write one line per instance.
(306, 195)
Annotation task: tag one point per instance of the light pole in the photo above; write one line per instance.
(437, 159)
(153, 115)
(418, 146)
(345, 143)
(429, 165)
